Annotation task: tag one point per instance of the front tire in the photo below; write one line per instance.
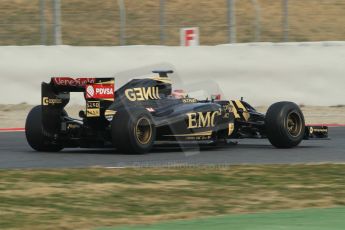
(285, 125)
(133, 132)
(35, 134)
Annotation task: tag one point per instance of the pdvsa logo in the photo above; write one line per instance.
(202, 119)
(142, 94)
(100, 91)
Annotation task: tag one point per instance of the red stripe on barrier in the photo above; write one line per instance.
(12, 129)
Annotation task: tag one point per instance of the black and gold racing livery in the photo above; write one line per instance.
(145, 112)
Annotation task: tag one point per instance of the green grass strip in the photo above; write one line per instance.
(308, 219)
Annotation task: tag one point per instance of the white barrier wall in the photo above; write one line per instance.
(308, 73)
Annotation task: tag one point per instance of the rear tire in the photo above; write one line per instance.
(133, 132)
(35, 135)
(285, 125)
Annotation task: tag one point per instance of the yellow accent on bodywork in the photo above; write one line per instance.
(92, 113)
(234, 110)
(231, 128)
(105, 83)
(109, 113)
(161, 79)
(245, 113)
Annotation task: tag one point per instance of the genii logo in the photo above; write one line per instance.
(102, 91)
(142, 94)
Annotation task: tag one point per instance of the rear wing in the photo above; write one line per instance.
(55, 95)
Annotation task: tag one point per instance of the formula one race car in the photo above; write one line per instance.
(145, 112)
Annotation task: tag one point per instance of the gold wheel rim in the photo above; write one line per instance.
(143, 131)
(294, 124)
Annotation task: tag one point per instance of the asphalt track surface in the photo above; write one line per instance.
(15, 153)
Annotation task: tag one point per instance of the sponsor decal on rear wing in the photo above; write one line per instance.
(69, 84)
(56, 92)
(99, 91)
(68, 81)
(55, 95)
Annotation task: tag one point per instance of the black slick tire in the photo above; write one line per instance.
(284, 123)
(133, 131)
(35, 135)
